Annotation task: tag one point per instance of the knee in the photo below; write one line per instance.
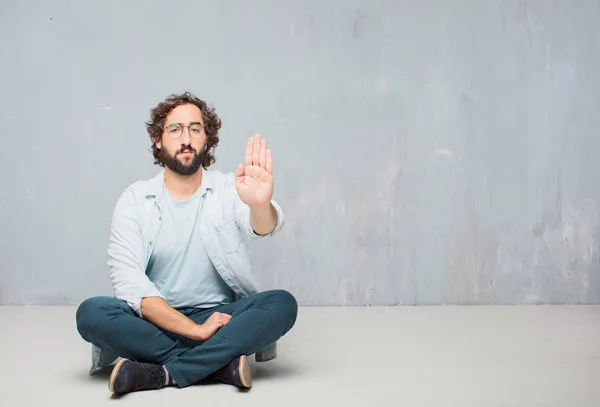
(91, 312)
(285, 304)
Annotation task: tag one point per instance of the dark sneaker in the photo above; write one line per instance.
(237, 373)
(128, 376)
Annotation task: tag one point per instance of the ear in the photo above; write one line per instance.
(158, 143)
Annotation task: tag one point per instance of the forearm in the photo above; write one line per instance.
(157, 311)
(263, 219)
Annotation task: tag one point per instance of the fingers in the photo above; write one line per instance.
(249, 150)
(263, 154)
(224, 319)
(269, 163)
(256, 150)
(220, 315)
(220, 319)
(239, 172)
(216, 321)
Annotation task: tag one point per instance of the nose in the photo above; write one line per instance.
(186, 137)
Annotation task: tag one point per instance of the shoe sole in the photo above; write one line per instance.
(113, 375)
(245, 372)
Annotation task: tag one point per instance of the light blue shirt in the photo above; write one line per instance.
(179, 266)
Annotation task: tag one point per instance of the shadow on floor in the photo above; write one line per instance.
(268, 370)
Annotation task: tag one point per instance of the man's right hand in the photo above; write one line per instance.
(157, 311)
(206, 330)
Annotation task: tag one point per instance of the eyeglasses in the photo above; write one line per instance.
(175, 130)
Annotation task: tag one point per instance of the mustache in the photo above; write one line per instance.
(187, 148)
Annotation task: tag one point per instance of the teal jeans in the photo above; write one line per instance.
(257, 321)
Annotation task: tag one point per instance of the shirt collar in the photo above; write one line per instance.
(155, 185)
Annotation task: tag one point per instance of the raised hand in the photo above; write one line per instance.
(254, 179)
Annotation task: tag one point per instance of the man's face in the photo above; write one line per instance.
(183, 154)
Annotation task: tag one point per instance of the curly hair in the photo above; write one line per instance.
(212, 124)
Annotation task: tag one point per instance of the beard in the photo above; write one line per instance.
(179, 167)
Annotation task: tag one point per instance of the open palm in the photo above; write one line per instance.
(254, 179)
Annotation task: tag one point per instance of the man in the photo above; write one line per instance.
(186, 306)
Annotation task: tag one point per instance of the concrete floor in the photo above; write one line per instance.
(407, 356)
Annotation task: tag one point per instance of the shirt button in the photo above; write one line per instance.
(150, 243)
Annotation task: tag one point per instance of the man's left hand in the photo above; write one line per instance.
(254, 179)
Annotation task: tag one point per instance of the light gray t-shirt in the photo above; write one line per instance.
(179, 266)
